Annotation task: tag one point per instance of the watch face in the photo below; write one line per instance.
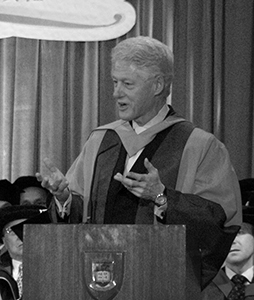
(161, 200)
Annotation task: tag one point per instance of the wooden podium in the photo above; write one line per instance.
(121, 262)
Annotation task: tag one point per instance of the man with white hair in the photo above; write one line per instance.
(152, 166)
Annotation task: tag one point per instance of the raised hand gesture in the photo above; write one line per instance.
(54, 181)
(146, 186)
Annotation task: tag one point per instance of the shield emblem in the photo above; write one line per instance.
(103, 273)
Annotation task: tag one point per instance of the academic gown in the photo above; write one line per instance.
(8, 286)
(205, 193)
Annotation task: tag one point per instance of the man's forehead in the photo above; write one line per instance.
(34, 189)
(123, 66)
(34, 193)
(125, 69)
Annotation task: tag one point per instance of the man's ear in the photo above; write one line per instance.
(159, 84)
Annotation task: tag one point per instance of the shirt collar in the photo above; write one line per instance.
(157, 119)
(16, 263)
(248, 273)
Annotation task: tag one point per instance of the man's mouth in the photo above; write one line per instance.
(122, 105)
(234, 250)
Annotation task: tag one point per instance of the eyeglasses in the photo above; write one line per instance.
(9, 231)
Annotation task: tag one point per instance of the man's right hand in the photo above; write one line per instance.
(55, 181)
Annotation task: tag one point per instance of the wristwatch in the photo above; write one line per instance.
(160, 199)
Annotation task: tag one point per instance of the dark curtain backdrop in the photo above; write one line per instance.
(214, 79)
(52, 94)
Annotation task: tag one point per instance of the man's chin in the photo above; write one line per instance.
(233, 257)
(124, 116)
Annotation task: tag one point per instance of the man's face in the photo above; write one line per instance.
(33, 195)
(242, 249)
(12, 242)
(134, 91)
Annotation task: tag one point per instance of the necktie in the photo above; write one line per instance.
(238, 291)
(19, 280)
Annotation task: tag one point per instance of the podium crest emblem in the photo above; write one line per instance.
(104, 273)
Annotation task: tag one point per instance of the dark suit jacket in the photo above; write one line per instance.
(76, 211)
(221, 286)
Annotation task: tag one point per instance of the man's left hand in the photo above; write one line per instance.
(146, 186)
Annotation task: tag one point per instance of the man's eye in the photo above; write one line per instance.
(128, 84)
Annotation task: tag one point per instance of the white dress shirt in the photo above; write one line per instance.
(138, 129)
(248, 274)
(15, 270)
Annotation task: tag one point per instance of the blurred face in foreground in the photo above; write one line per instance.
(12, 242)
(135, 92)
(241, 254)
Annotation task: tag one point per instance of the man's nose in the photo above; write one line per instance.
(118, 91)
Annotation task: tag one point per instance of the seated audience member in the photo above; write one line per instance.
(11, 261)
(67, 213)
(235, 281)
(33, 193)
(8, 196)
(2, 248)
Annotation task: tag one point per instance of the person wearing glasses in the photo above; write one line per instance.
(11, 260)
